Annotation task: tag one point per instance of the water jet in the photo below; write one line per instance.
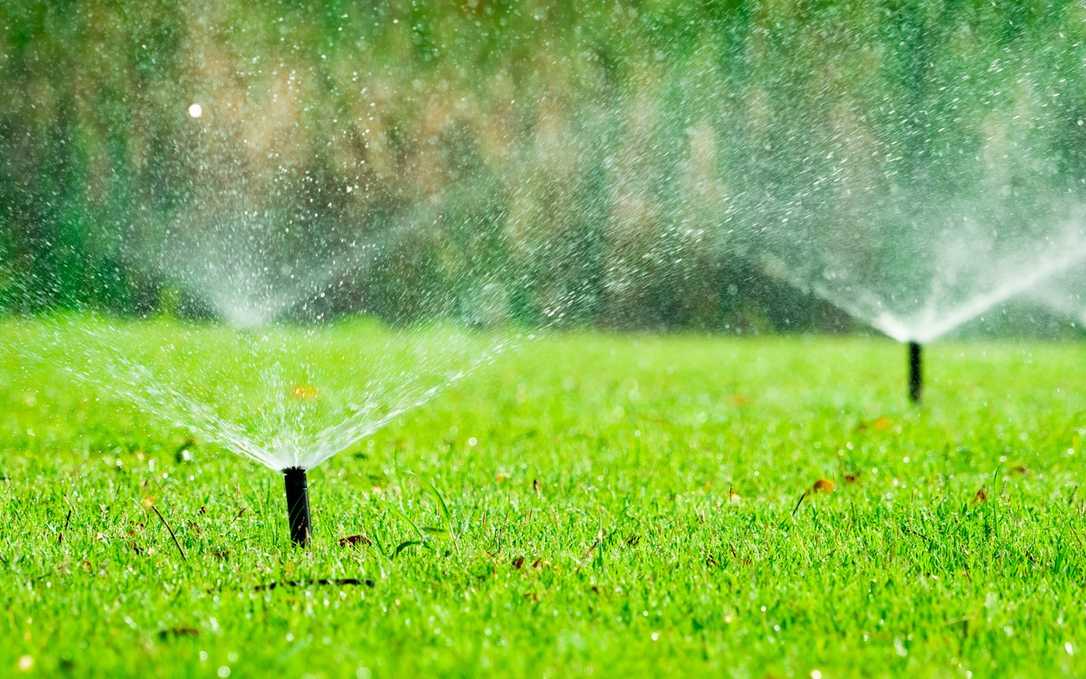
(931, 287)
(297, 489)
(261, 393)
(1064, 296)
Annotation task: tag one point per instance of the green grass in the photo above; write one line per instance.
(591, 504)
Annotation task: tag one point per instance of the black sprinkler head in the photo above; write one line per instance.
(297, 505)
(916, 372)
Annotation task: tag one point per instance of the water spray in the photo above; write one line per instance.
(297, 505)
(916, 373)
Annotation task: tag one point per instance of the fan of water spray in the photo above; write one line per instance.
(286, 396)
(316, 309)
(295, 376)
(1065, 294)
(251, 266)
(924, 290)
(913, 193)
(925, 227)
(919, 288)
(235, 269)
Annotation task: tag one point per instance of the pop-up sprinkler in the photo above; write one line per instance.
(916, 373)
(297, 505)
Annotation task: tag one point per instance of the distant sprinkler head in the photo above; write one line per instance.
(297, 505)
(916, 372)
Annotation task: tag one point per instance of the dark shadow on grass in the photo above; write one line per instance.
(336, 582)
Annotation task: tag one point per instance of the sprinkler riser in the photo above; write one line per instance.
(297, 488)
(916, 372)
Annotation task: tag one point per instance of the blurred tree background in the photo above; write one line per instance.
(614, 160)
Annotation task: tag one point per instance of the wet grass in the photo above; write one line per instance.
(589, 505)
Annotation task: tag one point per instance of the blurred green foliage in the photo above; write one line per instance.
(610, 159)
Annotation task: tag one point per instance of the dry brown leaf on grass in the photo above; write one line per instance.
(304, 392)
(878, 424)
(823, 486)
(820, 486)
(352, 540)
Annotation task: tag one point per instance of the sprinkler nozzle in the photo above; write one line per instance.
(916, 372)
(297, 505)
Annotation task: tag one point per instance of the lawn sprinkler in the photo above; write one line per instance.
(297, 505)
(916, 374)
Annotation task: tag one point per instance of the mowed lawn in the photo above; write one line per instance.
(585, 505)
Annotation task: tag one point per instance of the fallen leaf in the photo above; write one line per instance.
(878, 424)
(823, 486)
(518, 562)
(1020, 470)
(352, 540)
(981, 496)
(304, 392)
